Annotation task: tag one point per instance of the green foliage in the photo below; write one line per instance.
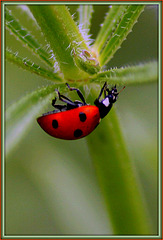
(31, 66)
(25, 37)
(55, 19)
(85, 15)
(80, 63)
(119, 35)
(112, 19)
(20, 115)
(142, 73)
(117, 179)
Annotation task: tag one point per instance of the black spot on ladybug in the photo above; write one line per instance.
(78, 133)
(55, 124)
(82, 116)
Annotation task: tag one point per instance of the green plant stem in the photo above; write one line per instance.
(125, 204)
(63, 35)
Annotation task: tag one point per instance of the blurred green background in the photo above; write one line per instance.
(51, 185)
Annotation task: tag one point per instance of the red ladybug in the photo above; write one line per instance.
(77, 119)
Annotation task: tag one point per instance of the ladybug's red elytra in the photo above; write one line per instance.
(77, 119)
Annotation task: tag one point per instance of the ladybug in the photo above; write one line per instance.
(77, 119)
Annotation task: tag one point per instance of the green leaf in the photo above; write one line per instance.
(119, 185)
(31, 66)
(26, 38)
(108, 26)
(123, 29)
(140, 74)
(63, 35)
(23, 113)
(85, 15)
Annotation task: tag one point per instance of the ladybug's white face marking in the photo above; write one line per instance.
(113, 97)
(106, 102)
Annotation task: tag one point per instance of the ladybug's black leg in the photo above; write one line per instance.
(70, 104)
(78, 92)
(64, 98)
(102, 89)
(60, 107)
(53, 101)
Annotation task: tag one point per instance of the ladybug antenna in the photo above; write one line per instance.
(121, 90)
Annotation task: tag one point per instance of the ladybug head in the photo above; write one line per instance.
(112, 94)
(106, 104)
